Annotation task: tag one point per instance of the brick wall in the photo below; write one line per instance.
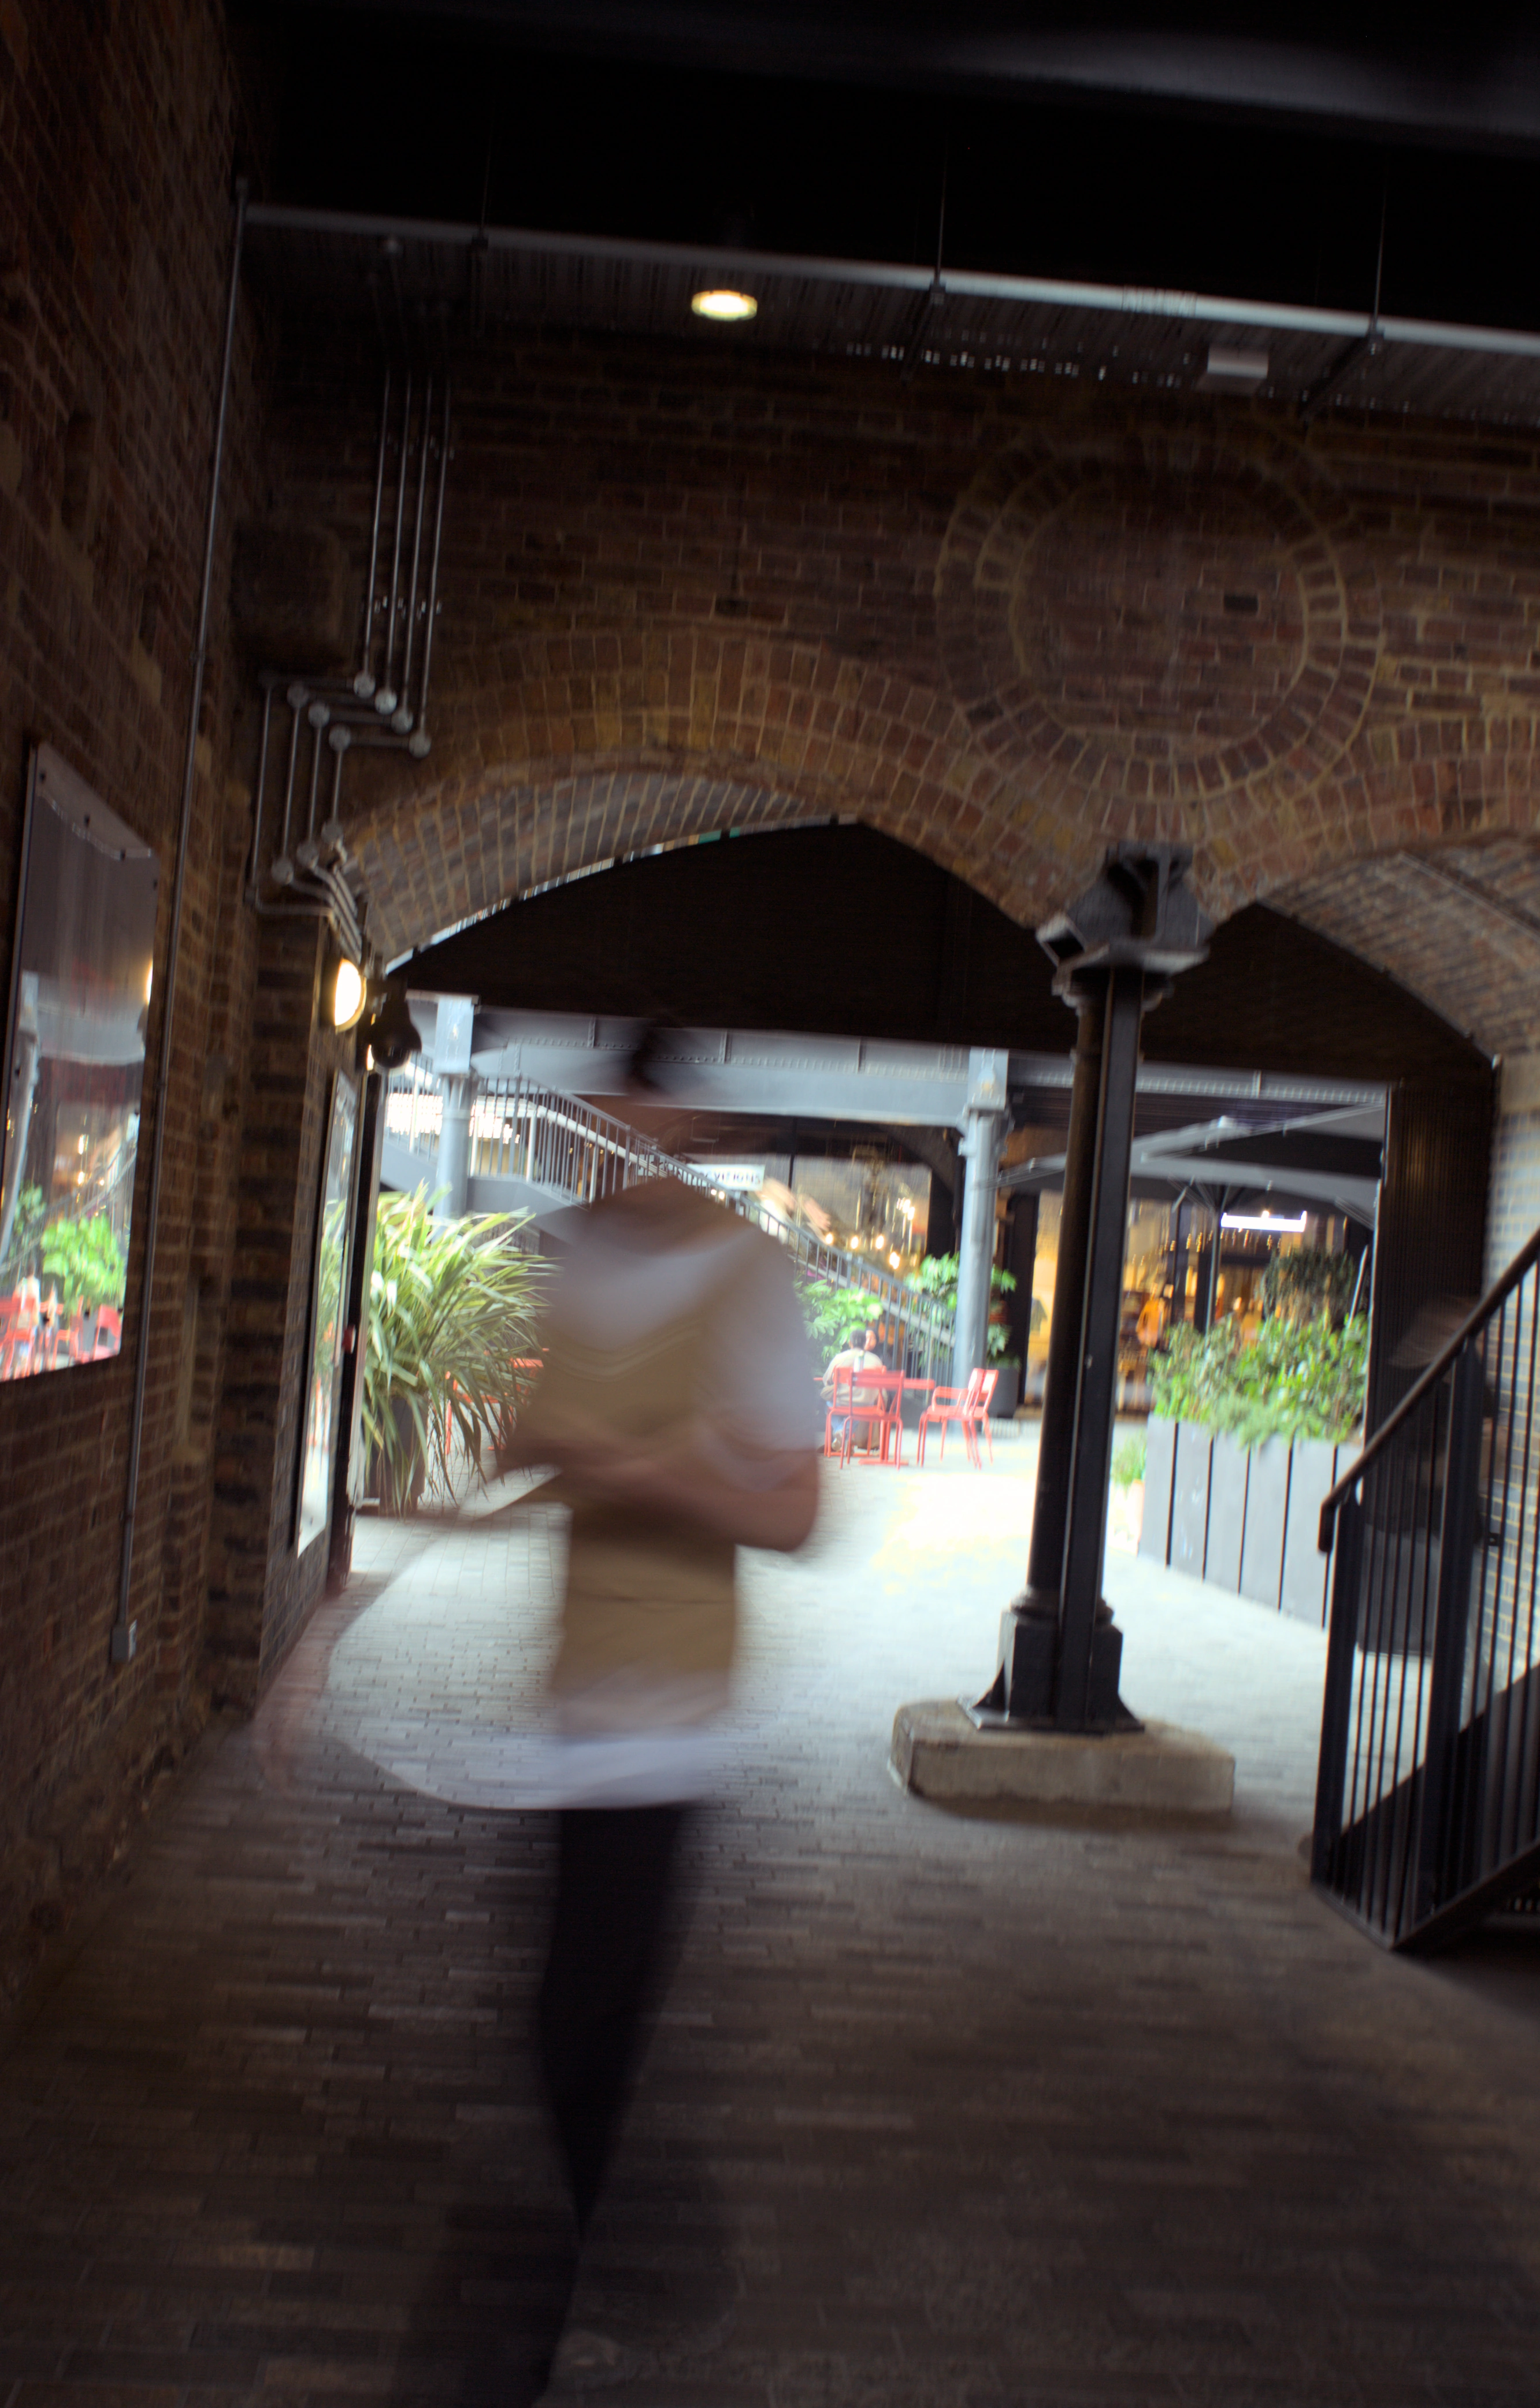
(260, 1590)
(1003, 627)
(681, 591)
(117, 132)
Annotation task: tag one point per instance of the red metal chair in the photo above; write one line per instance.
(965, 1406)
(876, 1407)
(980, 1416)
(15, 1340)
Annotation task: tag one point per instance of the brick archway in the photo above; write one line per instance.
(567, 755)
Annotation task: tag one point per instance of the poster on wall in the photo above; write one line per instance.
(82, 972)
(328, 1294)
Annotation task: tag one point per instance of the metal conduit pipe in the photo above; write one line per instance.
(420, 742)
(123, 1630)
(363, 684)
(401, 718)
(386, 696)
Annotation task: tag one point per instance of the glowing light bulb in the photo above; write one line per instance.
(724, 306)
(346, 994)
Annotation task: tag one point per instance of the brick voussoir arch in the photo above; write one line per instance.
(562, 753)
(571, 753)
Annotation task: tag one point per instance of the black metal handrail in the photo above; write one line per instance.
(1476, 1319)
(1428, 1794)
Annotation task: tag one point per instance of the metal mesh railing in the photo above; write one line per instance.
(1427, 1802)
(518, 1130)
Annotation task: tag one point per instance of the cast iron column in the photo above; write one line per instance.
(984, 1123)
(1056, 1439)
(1090, 1646)
(454, 1149)
(1116, 948)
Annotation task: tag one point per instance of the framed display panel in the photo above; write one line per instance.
(328, 1293)
(82, 970)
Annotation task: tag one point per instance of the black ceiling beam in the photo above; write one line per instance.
(756, 933)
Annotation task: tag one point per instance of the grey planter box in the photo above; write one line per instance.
(1228, 1481)
(1160, 1465)
(1007, 1392)
(1304, 1569)
(1266, 1517)
(1190, 1498)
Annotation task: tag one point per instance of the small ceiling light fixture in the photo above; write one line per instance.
(1270, 1225)
(725, 306)
(348, 995)
(1230, 370)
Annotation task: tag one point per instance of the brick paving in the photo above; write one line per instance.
(940, 2110)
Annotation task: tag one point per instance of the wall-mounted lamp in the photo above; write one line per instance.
(388, 1028)
(348, 995)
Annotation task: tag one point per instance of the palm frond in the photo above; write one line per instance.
(453, 1305)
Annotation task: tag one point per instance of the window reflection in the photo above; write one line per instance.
(326, 1319)
(81, 983)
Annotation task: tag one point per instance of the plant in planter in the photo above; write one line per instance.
(87, 1261)
(834, 1315)
(1310, 1284)
(452, 1306)
(1289, 1381)
(937, 1276)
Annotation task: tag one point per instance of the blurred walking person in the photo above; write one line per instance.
(678, 1404)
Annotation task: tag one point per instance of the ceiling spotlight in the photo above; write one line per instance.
(729, 309)
(346, 994)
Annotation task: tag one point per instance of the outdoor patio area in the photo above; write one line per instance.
(896, 1596)
(942, 2111)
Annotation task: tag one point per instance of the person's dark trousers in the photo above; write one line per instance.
(609, 1947)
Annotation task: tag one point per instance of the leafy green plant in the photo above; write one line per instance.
(452, 1306)
(834, 1316)
(937, 1276)
(1128, 1462)
(1287, 1383)
(87, 1261)
(1308, 1284)
(22, 1259)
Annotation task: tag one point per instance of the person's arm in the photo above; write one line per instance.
(685, 1472)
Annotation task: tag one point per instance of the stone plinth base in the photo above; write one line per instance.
(1157, 1772)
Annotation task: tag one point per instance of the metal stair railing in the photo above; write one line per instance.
(536, 1134)
(1427, 1793)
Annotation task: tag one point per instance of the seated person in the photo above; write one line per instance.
(858, 1354)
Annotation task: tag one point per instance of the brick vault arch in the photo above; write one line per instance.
(559, 754)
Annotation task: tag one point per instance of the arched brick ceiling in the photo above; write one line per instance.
(1459, 926)
(723, 601)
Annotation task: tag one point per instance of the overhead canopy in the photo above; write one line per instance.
(1331, 1161)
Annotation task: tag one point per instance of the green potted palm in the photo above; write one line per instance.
(453, 1306)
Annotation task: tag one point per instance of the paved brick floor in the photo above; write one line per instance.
(941, 2110)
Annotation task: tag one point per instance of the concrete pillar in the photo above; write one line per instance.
(983, 1135)
(454, 1149)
